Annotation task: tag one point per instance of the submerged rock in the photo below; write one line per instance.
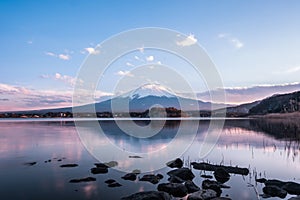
(114, 184)
(149, 195)
(69, 165)
(221, 175)
(183, 173)
(191, 186)
(111, 164)
(175, 189)
(292, 188)
(109, 181)
(154, 179)
(129, 176)
(30, 163)
(213, 185)
(177, 163)
(87, 179)
(99, 170)
(274, 191)
(202, 195)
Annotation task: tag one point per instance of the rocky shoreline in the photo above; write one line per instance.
(180, 182)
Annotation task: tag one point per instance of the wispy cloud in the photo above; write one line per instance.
(293, 69)
(61, 56)
(59, 77)
(22, 98)
(188, 41)
(91, 50)
(124, 73)
(232, 40)
(64, 57)
(129, 64)
(150, 58)
(29, 42)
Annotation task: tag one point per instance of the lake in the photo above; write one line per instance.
(31, 152)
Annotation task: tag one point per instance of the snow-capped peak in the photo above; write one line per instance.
(151, 90)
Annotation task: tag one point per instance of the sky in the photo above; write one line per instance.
(253, 44)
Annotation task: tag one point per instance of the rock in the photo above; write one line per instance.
(221, 175)
(136, 171)
(69, 165)
(261, 180)
(229, 169)
(274, 191)
(175, 189)
(221, 198)
(87, 179)
(275, 182)
(292, 188)
(99, 170)
(30, 163)
(114, 184)
(135, 157)
(175, 179)
(129, 176)
(112, 164)
(154, 179)
(160, 176)
(177, 163)
(183, 173)
(202, 195)
(213, 185)
(149, 195)
(206, 176)
(102, 165)
(109, 181)
(191, 186)
(59, 160)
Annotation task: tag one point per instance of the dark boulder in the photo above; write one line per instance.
(175, 189)
(202, 195)
(274, 191)
(87, 179)
(183, 173)
(114, 184)
(213, 185)
(206, 176)
(292, 188)
(129, 176)
(221, 175)
(261, 180)
(154, 179)
(99, 170)
(149, 195)
(177, 163)
(69, 165)
(191, 186)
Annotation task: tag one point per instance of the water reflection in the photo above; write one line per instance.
(270, 148)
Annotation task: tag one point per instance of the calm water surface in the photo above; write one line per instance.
(269, 149)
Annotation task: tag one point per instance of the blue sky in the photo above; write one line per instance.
(43, 43)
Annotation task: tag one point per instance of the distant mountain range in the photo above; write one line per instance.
(279, 103)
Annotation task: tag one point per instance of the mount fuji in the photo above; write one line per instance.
(140, 100)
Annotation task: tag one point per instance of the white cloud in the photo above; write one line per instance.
(158, 62)
(60, 56)
(188, 41)
(150, 58)
(50, 54)
(124, 73)
(129, 64)
(59, 77)
(141, 49)
(29, 42)
(233, 40)
(237, 43)
(64, 56)
(92, 50)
